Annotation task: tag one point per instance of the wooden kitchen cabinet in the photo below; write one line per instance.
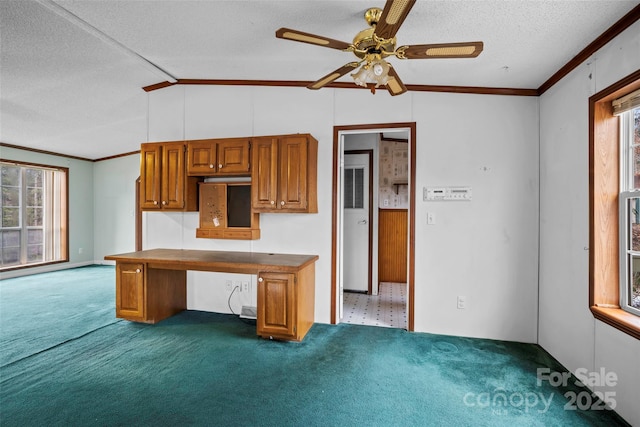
(284, 174)
(151, 286)
(286, 304)
(164, 184)
(225, 212)
(218, 157)
(130, 290)
(134, 301)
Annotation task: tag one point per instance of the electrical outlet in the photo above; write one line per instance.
(431, 218)
(462, 302)
(229, 286)
(237, 284)
(245, 286)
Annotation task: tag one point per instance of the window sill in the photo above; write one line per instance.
(619, 319)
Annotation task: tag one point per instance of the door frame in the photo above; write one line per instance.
(373, 128)
(370, 218)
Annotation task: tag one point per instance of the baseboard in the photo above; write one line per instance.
(28, 271)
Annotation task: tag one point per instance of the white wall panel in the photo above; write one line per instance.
(166, 114)
(218, 112)
(484, 249)
(359, 106)
(567, 328)
(115, 205)
(624, 364)
(566, 324)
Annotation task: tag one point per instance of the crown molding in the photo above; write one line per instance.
(344, 85)
(68, 156)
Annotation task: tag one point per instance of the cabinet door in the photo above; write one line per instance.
(292, 191)
(150, 169)
(276, 305)
(130, 290)
(233, 157)
(264, 177)
(201, 158)
(173, 175)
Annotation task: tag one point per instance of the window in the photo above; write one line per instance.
(630, 210)
(612, 208)
(354, 188)
(33, 216)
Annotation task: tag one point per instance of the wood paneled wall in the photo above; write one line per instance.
(392, 245)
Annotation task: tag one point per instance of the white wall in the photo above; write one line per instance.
(81, 223)
(567, 329)
(485, 249)
(115, 205)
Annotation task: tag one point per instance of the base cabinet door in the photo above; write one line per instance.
(130, 301)
(276, 307)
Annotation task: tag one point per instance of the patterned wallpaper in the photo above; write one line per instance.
(394, 169)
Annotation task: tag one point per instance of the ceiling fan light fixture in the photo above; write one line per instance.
(376, 71)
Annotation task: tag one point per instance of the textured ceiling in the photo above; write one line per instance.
(66, 90)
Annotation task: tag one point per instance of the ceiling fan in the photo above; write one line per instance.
(374, 44)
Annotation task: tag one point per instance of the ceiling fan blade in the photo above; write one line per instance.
(299, 36)
(334, 75)
(394, 84)
(443, 50)
(393, 15)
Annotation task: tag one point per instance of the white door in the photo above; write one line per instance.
(355, 191)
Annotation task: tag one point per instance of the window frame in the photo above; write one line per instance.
(629, 191)
(63, 247)
(604, 192)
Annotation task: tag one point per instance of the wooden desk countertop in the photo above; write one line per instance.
(220, 261)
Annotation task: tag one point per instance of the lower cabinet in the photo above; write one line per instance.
(285, 307)
(137, 302)
(130, 291)
(286, 304)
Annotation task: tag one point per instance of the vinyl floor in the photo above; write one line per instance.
(387, 309)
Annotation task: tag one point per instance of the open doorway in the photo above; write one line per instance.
(362, 196)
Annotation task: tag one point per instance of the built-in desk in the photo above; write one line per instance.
(151, 285)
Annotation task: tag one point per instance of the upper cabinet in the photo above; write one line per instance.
(218, 157)
(284, 174)
(164, 184)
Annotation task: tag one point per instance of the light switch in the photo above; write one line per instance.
(431, 218)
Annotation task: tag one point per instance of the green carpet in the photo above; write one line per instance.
(210, 369)
(40, 311)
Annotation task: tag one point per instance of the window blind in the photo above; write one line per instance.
(626, 103)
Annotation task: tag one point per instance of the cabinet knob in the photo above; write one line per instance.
(155, 202)
(211, 166)
(260, 279)
(282, 203)
(220, 166)
(273, 203)
(138, 270)
(164, 202)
